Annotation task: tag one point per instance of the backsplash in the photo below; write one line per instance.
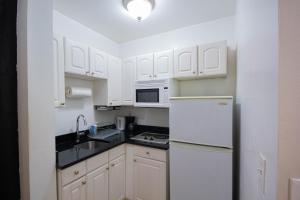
(65, 117)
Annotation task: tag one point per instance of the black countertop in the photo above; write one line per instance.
(67, 156)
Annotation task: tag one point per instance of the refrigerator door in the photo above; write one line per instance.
(202, 121)
(200, 173)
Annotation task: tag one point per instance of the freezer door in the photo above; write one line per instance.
(200, 173)
(202, 121)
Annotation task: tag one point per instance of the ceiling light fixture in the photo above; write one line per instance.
(139, 9)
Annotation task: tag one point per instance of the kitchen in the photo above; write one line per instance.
(126, 101)
(152, 99)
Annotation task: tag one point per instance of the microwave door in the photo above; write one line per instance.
(147, 95)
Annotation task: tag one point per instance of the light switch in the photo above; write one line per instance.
(262, 173)
(294, 189)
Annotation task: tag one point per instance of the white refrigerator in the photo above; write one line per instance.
(201, 148)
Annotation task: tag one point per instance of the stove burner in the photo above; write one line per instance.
(152, 137)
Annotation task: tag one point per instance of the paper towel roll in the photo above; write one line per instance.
(78, 92)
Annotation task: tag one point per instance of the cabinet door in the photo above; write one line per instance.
(163, 64)
(149, 179)
(97, 184)
(117, 178)
(145, 67)
(59, 72)
(213, 59)
(128, 70)
(114, 81)
(98, 63)
(77, 59)
(185, 62)
(75, 190)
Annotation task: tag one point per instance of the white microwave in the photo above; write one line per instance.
(153, 93)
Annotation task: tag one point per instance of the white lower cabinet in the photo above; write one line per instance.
(146, 173)
(131, 173)
(75, 190)
(117, 179)
(97, 184)
(149, 179)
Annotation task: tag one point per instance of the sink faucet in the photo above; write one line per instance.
(77, 126)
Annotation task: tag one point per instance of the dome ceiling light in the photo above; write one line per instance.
(139, 9)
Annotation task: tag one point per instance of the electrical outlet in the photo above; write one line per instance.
(262, 173)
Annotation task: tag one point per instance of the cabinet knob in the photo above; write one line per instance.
(195, 72)
(134, 160)
(76, 172)
(200, 72)
(148, 153)
(62, 104)
(110, 103)
(93, 73)
(83, 182)
(155, 76)
(150, 76)
(113, 165)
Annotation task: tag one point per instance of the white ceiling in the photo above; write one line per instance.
(108, 17)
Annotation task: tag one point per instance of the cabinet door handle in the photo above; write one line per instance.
(195, 72)
(155, 76)
(148, 153)
(76, 172)
(83, 182)
(134, 160)
(150, 76)
(107, 168)
(113, 165)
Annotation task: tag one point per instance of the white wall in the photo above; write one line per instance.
(65, 117)
(147, 116)
(35, 105)
(76, 31)
(257, 94)
(221, 29)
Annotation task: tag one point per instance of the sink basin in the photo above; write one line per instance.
(90, 145)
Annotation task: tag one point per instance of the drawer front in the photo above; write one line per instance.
(96, 161)
(116, 152)
(151, 153)
(72, 173)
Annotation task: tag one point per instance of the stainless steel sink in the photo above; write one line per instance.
(90, 145)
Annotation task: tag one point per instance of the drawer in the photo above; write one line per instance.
(96, 161)
(116, 152)
(72, 173)
(151, 153)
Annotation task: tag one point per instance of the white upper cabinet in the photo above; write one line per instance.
(117, 178)
(98, 63)
(145, 67)
(114, 81)
(76, 57)
(128, 74)
(213, 59)
(163, 64)
(59, 72)
(185, 62)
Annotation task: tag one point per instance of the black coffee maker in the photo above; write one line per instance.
(130, 124)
